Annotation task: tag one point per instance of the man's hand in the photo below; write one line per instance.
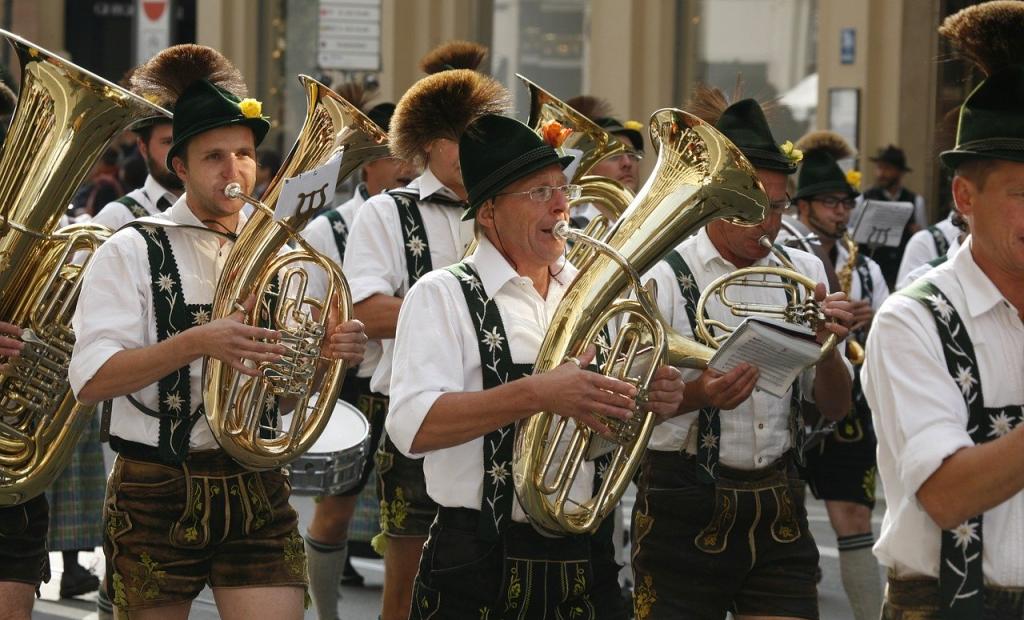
(346, 341)
(726, 391)
(862, 314)
(570, 391)
(665, 393)
(233, 342)
(10, 342)
(835, 306)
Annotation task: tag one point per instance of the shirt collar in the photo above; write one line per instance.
(708, 253)
(427, 185)
(979, 291)
(179, 213)
(154, 191)
(495, 270)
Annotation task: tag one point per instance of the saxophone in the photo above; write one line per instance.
(854, 349)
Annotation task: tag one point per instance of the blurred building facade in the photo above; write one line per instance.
(868, 68)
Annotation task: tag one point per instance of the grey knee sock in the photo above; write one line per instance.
(860, 573)
(326, 564)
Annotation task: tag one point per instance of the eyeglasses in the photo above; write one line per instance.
(545, 192)
(782, 204)
(633, 156)
(831, 202)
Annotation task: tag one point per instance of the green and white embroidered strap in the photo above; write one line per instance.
(133, 205)
(414, 236)
(339, 229)
(709, 425)
(961, 578)
(867, 283)
(941, 245)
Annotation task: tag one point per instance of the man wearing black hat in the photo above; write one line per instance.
(840, 468)
(890, 166)
(179, 513)
(624, 167)
(944, 360)
(719, 523)
(466, 341)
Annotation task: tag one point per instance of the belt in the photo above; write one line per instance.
(521, 540)
(200, 460)
(923, 593)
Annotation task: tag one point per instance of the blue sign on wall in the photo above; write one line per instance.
(847, 46)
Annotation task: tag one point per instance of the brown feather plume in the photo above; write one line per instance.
(356, 94)
(707, 103)
(988, 34)
(442, 105)
(453, 55)
(590, 106)
(167, 75)
(828, 141)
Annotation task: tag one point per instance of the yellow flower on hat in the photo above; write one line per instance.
(853, 178)
(251, 108)
(791, 152)
(634, 125)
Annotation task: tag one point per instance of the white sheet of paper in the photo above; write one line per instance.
(577, 157)
(311, 190)
(778, 356)
(881, 222)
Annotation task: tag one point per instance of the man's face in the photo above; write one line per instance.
(215, 159)
(742, 243)
(995, 214)
(521, 227)
(827, 214)
(154, 151)
(443, 161)
(887, 176)
(388, 173)
(624, 167)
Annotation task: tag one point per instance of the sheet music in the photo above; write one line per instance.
(779, 356)
(311, 190)
(881, 223)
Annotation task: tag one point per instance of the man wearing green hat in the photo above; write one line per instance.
(719, 523)
(466, 342)
(179, 513)
(944, 360)
(840, 468)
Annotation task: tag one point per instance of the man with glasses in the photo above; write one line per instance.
(463, 376)
(841, 469)
(719, 523)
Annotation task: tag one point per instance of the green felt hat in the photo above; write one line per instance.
(991, 124)
(616, 128)
(494, 152)
(745, 124)
(820, 174)
(204, 106)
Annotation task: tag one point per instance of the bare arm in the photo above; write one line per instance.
(379, 315)
(832, 383)
(975, 479)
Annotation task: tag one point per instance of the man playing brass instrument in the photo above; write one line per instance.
(719, 522)
(841, 468)
(179, 512)
(466, 342)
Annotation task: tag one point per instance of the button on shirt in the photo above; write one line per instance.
(151, 196)
(375, 255)
(437, 351)
(320, 235)
(920, 416)
(115, 313)
(755, 433)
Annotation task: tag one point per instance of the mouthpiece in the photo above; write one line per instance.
(764, 242)
(561, 230)
(233, 190)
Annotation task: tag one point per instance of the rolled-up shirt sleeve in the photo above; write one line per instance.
(373, 260)
(918, 410)
(429, 357)
(112, 314)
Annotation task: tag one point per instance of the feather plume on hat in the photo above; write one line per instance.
(356, 94)
(709, 102)
(164, 77)
(988, 34)
(827, 141)
(590, 106)
(453, 55)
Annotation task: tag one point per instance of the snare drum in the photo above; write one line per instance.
(334, 463)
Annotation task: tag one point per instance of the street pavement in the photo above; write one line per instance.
(364, 603)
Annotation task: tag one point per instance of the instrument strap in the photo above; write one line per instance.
(136, 209)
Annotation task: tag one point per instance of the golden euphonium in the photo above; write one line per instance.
(236, 403)
(699, 176)
(64, 120)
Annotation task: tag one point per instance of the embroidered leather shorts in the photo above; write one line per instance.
(23, 556)
(170, 530)
(843, 466)
(918, 599)
(700, 550)
(405, 508)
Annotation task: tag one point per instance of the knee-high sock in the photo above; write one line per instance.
(860, 574)
(326, 564)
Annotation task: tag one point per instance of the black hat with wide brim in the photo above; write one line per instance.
(205, 106)
(744, 123)
(894, 156)
(820, 174)
(494, 152)
(991, 124)
(616, 128)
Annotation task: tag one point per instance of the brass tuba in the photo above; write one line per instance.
(64, 119)
(699, 176)
(237, 404)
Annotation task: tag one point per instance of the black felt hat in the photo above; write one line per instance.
(616, 128)
(819, 172)
(381, 114)
(892, 155)
(495, 151)
(205, 106)
(745, 124)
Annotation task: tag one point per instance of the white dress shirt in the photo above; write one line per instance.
(755, 433)
(115, 215)
(320, 235)
(920, 416)
(921, 247)
(375, 254)
(920, 270)
(437, 351)
(115, 313)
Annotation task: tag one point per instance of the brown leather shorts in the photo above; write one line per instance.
(170, 530)
(23, 556)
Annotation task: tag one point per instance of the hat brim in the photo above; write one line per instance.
(490, 189)
(259, 126)
(953, 158)
(146, 123)
(827, 187)
(882, 160)
(768, 160)
(634, 136)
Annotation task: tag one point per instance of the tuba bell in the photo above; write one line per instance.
(699, 176)
(240, 408)
(64, 119)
